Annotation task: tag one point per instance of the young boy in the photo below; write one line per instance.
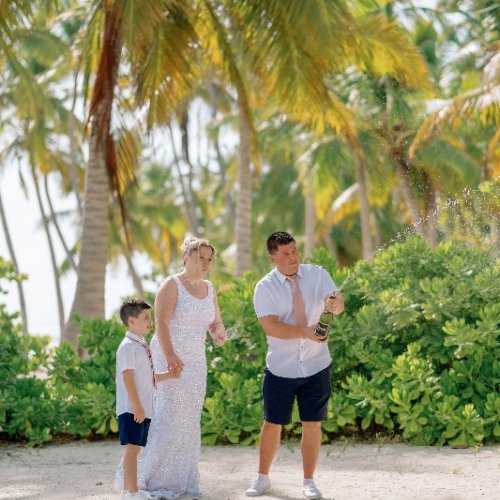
(135, 383)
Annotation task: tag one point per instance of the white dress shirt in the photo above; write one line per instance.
(294, 358)
(132, 354)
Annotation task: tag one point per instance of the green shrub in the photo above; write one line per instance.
(416, 353)
(418, 345)
(233, 409)
(26, 410)
(87, 386)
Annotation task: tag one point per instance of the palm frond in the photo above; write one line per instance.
(346, 204)
(482, 103)
(381, 48)
(44, 48)
(449, 163)
(492, 157)
(292, 63)
(231, 68)
(128, 151)
(13, 16)
(167, 71)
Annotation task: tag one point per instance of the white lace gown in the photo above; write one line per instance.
(168, 465)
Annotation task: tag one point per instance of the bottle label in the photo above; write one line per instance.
(321, 329)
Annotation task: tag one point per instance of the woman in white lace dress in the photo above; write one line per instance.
(185, 308)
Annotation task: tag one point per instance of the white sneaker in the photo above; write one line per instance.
(260, 485)
(310, 490)
(135, 495)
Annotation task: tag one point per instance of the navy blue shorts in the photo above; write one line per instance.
(312, 394)
(131, 432)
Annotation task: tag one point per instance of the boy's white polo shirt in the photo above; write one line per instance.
(132, 354)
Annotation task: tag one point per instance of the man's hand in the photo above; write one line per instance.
(139, 414)
(174, 363)
(309, 334)
(335, 303)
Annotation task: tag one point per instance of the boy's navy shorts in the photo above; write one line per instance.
(312, 395)
(131, 432)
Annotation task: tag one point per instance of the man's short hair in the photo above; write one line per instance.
(132, 308)
(277, 239)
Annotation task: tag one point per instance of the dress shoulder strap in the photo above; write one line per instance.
(211, 288)
(178, 282)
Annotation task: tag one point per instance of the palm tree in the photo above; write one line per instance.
(482, 103)
(160, 41)
(290, 71)
(25, 56)
(145, 30)
(12, 255)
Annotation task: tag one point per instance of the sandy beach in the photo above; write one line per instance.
(346, 472)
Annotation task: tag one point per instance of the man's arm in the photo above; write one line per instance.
(276, 328)
(128, 380)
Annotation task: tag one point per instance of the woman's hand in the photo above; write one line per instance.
(218, 334)
(174, 363)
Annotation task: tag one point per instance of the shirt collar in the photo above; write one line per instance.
(282, 277)
(136, 337)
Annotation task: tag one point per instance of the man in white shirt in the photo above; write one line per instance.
(297, 361)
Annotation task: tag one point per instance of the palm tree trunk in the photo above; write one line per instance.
(12, 256)
(364, 208)
(310, 223)
(53, 218)
(89, 295)
(243, 229)
(330, 245)
(403, 169)
(231, 211)
(55, 269)
(184, 126)
(90, 286)
(72, 147)
(430, 197)
(402, 165)
(188, 201)
(377, 231)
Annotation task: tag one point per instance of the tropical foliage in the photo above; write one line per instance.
(346, 122)
(354, 124)
(416, 354)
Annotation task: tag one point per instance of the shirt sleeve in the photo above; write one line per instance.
(125, 358)
(327, 284)
(263, 302)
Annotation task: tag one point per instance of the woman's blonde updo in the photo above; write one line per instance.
(192, 244)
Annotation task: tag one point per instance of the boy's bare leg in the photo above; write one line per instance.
(310, 446)
(270, 437)
(130, 467)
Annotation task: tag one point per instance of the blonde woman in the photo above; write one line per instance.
(186, 307)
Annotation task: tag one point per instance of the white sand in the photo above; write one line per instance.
(354, 472)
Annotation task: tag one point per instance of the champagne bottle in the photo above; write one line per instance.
(323, 326)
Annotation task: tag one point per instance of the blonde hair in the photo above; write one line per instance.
(192, 244)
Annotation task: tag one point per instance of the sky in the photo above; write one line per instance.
(32, 253)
